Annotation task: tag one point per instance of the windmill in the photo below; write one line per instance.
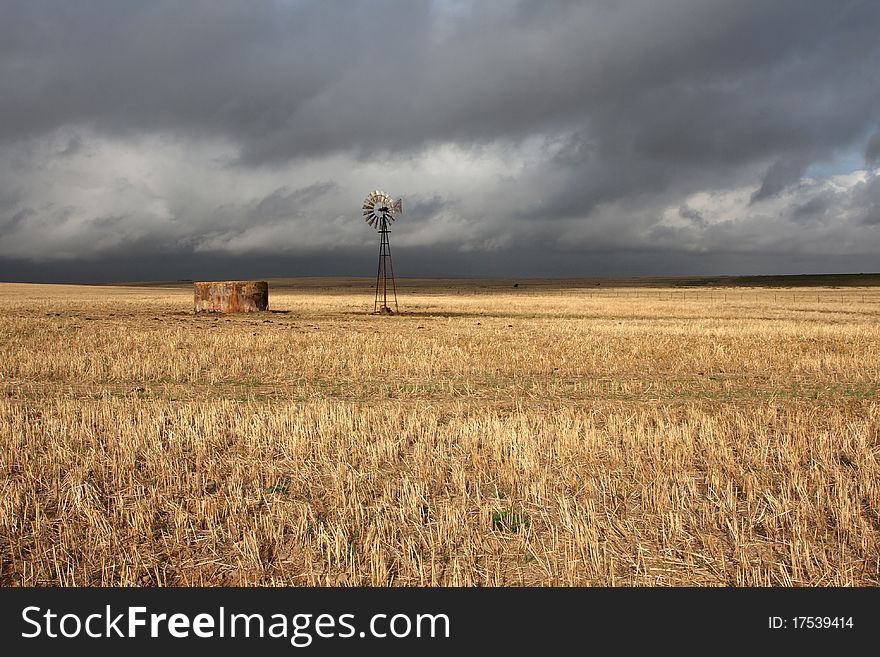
(379, 210)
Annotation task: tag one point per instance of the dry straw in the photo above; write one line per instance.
(571, 437)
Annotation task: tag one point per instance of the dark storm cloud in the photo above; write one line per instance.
(75, 146)
(420, 209)
(245, 71)
(692, 79)
(687, 212)
(17, 219)
(283, 203)
(813, 210)
(634, 107)
(780, 175)
(872, 150)
(229, 223)
(865, 201)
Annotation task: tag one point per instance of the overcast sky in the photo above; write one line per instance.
(166, 140)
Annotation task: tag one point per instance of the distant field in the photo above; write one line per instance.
(471, 285)
(552, 433)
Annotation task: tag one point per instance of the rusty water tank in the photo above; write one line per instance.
(231, 296)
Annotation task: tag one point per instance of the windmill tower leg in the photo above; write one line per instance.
(384, 268)
(383, 273)
(393, 283)
(379, 278)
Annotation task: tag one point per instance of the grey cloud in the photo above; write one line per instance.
(864, 202)
(872, 150)
(284, 203)
(424, 208)
(17, 219)
(778, 176)
(75, 146)
(289, 80)
(814, 209)
(634, 105)
(230, 222)
(687, 212)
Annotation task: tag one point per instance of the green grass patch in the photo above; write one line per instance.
(511, 520)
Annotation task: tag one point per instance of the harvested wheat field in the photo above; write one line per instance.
(485, 436)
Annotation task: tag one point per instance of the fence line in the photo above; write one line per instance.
(714, 296)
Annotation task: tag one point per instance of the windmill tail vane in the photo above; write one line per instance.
(379, 210)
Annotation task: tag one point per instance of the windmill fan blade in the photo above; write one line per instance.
(379, 209)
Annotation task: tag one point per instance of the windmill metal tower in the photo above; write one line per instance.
(379, 210)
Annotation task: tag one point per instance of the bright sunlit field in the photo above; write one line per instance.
(537, 435)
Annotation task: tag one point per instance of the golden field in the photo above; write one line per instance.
(485, 436)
